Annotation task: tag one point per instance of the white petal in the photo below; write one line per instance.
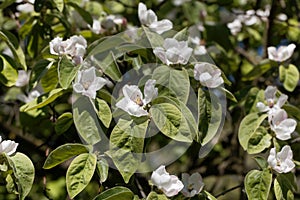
(78, 88)
(262, 107)
(161, 26)
(285, 129)
(161, 54)
(9, 147)
(150, 91)
(132, 92)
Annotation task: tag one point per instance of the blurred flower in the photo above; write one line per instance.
(169, 184)
(30, 97)
(87, 83)
(133, 102)
(264, 14)
(250, 18)
(149, 18)
(26, 7)
(179, 2)
(282, 53)
(173, 52)
(235, 27)
(282, 126)
(7, 146)
(96, 28)
(23, 78)
(282, 17)
(192, 184)
(273, 103)
(208, 75)
(200, 50)
(75, 47)
(281, 162)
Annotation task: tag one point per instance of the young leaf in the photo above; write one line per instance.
(104, 112)
(248, 127)
(259, 141)
(8, 74)
(258, 184)
(63, 122)
(284, 186)
(66, 72)
(155, 196)
(80, 173)
(23, 173)
(262, 163)
(102, 169)
(39, 71)
(115, 193)
(290, 76)
(63, 153)
(50, 80)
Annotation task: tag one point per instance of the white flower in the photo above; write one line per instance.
(96, 28)
(87, 83)
(149, 18)
(282, 17)
(23, 78)
(250, 18)
(7, 146)
(179, 2)
(26, 7)
(282, 126)
(133, 102)
(273, 103)
(208, 75)
(173, 52)
(169, 184)
(200, 50)
(282, 53)
(30, 97)
(192, 184)
(57, 46)
(235, 26)
(281, 162)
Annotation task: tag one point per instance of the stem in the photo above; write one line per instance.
(229, 190)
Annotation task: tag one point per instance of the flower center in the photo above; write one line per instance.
(86, 85)
(138, 101)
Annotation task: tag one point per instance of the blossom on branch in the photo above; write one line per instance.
(8, 146)
(133, 101)
(282, 53)
(173, 52)
(169, 184)
(282, 126)
(192, 184)
(87, 83)
(149, 18)
(208, 75)
(282, 162)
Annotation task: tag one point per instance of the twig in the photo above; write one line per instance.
(229, 190)
(140, 188)
(242, 52)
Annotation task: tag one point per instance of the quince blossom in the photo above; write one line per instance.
(282, 162)
(173, 52)
(23, 78)
(208, 75)
(7, 146)
(192, 184)
(74, 46)
(273, 103)
(282, 53)
(283, 126)
(87, 83)
(133, 102)
(235, 27)
(169, 184)
(149, 18)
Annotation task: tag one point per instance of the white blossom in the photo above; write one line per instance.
(23, 78)
(133, 101)
(235, 27)
(149, 18)
(282, 53)
(26, 7)
(273, 103)
(282, 126)
(8, 146)
(96, 27)
(200, 50)
(282, 162)
(192, 184)
(87, 83)
(208, 75)
(282, 17)
(169, 184)
(179, 2)
(173, 52)
(30, 97)
(250, 18)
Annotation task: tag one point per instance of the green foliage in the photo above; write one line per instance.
(66, 72)
(284, 186)
(8, 74)
(155, 196)
(116, 193)
(289, 76)
(104, 112)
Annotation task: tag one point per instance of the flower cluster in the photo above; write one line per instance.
(75, 47)
(171, 185)
(133, 102)
(8, 146)
(149, 18)
(208, 75)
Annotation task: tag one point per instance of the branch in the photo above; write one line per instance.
(229, 190)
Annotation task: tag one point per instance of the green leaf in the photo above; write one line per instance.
(63, 153)
(66, 72)
(116, 193)
(169, 78)
(258, 184)
(50, 80)
(210, 196)
(6, 3)
(155, 196)
(229, 95)
(259, 141)
(86, 16)
(284, 186)
(290, 76)
(59, 5)
(63, 122)
(38, 71)
(127, 143)
(261, 161)
(248, 127)
(171, 122)
(23, 173)
(43, 100)
(258, 70)
(80, 173)
(102, 169)
(8, 74)
(104, 112)
(14, 46)
(86, 120)
(155, 40)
